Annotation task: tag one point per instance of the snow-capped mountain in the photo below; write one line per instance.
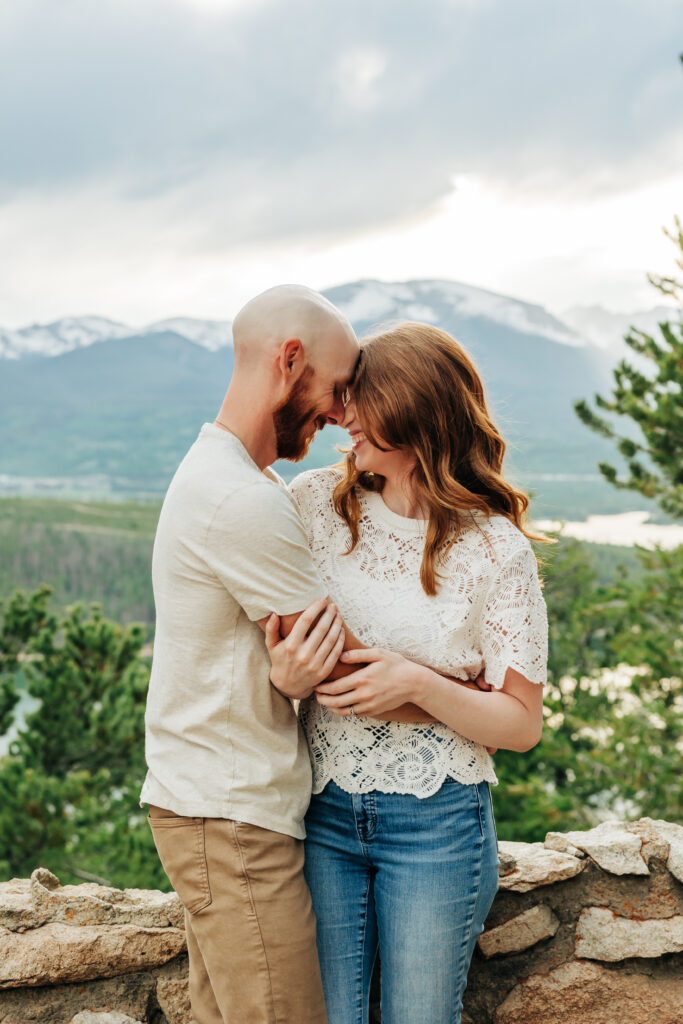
(440, 302)
(606, 329)
(71, 333)
(211, 334)
(58, 337)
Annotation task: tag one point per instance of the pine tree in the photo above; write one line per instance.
(21, 618)
(651, 398)
(641, 618)
(69, 785)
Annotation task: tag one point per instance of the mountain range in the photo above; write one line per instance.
(362, 302)
(96, 404)
(70, 333)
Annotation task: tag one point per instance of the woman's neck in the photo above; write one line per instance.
(398, 494)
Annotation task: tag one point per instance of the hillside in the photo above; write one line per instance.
(102, 551)
(126, 409)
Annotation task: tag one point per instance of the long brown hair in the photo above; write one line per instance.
(418, 390)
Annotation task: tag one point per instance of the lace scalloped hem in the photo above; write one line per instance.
(351, 785)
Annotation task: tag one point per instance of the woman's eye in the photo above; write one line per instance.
(346, 397)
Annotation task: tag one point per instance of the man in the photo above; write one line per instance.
(229, 777)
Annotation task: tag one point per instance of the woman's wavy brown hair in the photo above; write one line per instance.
(418, 390)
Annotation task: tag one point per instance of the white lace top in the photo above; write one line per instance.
(489, 611)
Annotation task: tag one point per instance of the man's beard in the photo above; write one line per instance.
(292, 416)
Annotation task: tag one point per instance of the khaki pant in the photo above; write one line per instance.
(248, 917)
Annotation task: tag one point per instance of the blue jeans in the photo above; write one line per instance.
(415, 878)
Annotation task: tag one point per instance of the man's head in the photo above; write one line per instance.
(296, 345)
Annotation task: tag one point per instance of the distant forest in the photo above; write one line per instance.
(102, 551)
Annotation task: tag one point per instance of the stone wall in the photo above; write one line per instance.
(587, 928)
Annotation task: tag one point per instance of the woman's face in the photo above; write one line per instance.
(370, 459)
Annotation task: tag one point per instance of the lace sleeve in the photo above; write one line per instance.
(312, 492)
(514, 628)
(302, 492)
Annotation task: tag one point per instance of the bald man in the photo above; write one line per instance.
(228, 778)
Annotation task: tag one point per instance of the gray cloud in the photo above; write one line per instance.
(294, 118)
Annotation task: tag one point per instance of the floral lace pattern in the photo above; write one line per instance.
(489, 611)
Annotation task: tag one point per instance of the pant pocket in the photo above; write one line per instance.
(181, 847)
(487, 822)
(493, 817)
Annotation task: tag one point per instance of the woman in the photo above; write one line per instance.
(422, 544)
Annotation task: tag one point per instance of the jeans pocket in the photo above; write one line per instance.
(181, 846)
(493, 817)
(487, 822)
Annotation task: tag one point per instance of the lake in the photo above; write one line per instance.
(626, 529)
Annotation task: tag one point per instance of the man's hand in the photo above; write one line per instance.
(303, 659)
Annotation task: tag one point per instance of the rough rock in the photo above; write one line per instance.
(673, 835)
(93, 1017)
(173, 992)
(57, 953)
(131, 994)
(519, 932)
(612, 847)
(558, 841)
(603, 935)
(31, 903)
(535, 866)
(506, 863)
(655, 845)
(590, 994)
(99, 904)
(17, 911)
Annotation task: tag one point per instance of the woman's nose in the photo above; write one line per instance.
(349, 414)
(336, 413)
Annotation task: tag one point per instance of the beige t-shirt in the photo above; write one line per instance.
(230, 548)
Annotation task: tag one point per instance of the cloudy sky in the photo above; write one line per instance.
(167, 157)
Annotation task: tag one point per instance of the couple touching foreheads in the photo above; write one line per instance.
(375, 593)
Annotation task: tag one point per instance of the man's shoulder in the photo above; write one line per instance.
(221, 495)
(257, 497)
(219, 467)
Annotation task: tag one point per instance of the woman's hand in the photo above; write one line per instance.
(382, 684)
(300, 661)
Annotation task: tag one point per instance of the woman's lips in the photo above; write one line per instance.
(357, 439)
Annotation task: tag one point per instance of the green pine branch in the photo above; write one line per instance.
(651, 399)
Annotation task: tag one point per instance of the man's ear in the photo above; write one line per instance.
(291, 359)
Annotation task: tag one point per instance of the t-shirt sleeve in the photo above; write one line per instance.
(514, 629)
(257, 547)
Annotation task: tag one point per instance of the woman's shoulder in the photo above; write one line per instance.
(324, 479)
(315, 487)
(498, 536)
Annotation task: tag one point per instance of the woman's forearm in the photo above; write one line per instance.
(414, 713)
(494, 718)
(406, 713)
